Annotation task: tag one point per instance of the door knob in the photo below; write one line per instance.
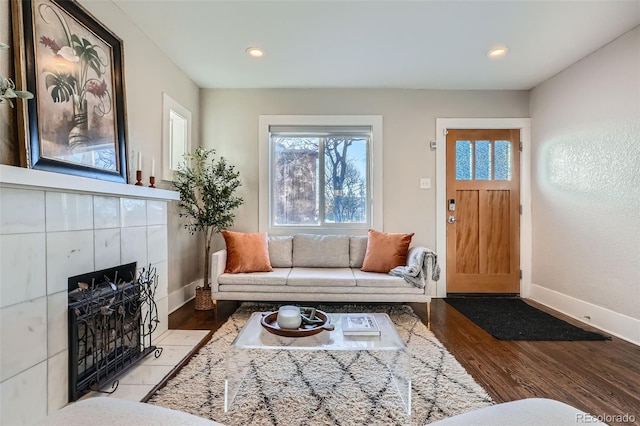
(452, 219)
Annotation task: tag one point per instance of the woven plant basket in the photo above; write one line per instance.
(203, 299)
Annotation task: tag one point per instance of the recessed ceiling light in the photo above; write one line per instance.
(498, 52)
(255, 52)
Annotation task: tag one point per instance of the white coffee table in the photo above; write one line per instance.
(388, 347)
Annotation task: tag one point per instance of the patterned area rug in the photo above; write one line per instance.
(325, 388)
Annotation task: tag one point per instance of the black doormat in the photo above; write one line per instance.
(513, 319)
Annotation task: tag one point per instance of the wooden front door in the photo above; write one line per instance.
(483, 211)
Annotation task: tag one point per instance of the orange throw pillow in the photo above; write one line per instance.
(246, 252)
(385, 251)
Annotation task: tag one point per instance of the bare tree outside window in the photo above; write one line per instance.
(345, 184)
(319, 180)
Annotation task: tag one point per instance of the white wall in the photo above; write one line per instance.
(230, 124)
(148, 73)
(586, 187)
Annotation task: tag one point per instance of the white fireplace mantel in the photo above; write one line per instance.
(54, 226)
(38, 179)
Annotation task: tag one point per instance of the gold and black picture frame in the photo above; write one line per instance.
(76, 123)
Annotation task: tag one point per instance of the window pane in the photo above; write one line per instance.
(177, 139)
(345, 191)
(295, 181)
(464, 160)
(483, 160)
(502, 158)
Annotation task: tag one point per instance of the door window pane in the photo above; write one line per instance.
(464, 160)
(502, 158)
(483, 160)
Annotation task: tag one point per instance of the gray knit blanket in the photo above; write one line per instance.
(419, 261)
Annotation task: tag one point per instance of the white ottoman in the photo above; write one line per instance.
(99, 411)
(526, 412)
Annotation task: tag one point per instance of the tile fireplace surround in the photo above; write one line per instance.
(52, 227)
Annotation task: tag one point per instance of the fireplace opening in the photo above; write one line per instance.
(112, 315)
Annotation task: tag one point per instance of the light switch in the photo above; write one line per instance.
(425, 183)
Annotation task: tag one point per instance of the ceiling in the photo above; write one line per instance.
(378, 44)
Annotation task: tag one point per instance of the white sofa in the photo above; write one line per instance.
(107, 411)
(314, 268)
(112, 411)
(524, 412)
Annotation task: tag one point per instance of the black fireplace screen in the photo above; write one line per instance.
(112, 315)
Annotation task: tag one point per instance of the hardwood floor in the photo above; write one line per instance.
(602, 378)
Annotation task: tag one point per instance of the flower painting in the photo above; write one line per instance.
(74, 64)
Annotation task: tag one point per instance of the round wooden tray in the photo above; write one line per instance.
(270, 323)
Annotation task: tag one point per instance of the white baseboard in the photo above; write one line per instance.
(181, 296)
(614, 323)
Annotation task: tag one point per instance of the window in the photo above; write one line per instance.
(486, 163)
(319, 175)
(319, 172)
(176, 136)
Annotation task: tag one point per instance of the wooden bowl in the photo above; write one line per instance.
(270, 323)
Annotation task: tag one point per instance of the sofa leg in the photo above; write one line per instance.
(429, 315)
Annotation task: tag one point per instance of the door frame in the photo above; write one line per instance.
(524, 125)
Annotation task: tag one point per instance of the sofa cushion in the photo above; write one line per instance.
(324, 293)
(385, 251)
(357, 250)
(376, 279)
(321, 277)
(281, 251)
(277, 277)
(246, 252)
(321, 251)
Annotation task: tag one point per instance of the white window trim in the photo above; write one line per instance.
(264, 167)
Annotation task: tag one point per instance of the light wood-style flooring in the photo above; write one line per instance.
(602, 378)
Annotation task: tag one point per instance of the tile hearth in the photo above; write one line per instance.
(136, 383)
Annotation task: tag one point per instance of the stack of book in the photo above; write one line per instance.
(359, 325)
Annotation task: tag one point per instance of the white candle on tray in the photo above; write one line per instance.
(289, 317)
(139, 160)
(153, 167)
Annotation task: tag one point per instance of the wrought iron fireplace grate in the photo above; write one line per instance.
(112, 315)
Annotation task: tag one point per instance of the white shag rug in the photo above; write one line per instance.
(325, 388)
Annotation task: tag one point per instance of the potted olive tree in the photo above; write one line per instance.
(207, 189)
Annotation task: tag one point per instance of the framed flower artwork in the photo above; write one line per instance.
(73, 65)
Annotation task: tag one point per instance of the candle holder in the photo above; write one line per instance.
(139, 177)
(152, 181)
